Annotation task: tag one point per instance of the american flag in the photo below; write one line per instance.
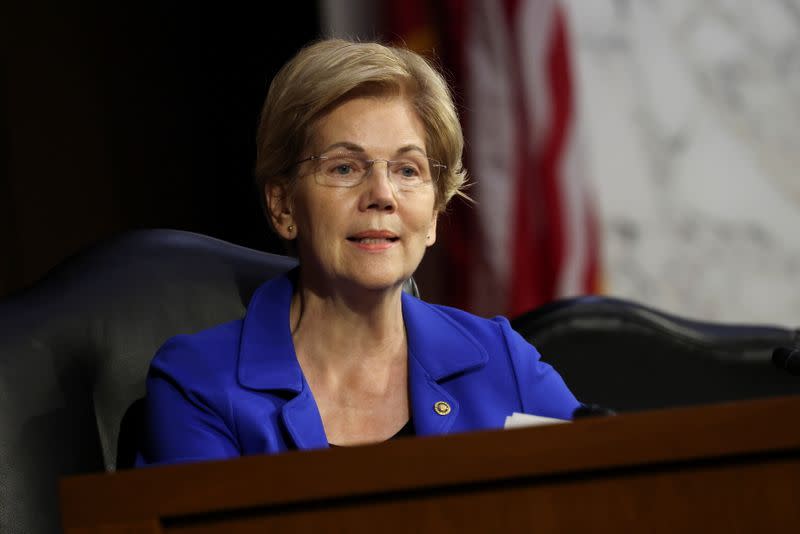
(532, 235)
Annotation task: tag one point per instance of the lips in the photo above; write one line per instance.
(373, 237)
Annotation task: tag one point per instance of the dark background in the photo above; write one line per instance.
(115, 117)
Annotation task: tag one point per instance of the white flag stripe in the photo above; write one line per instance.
(534, 35)
(574, 208)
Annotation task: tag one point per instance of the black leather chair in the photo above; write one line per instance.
(624, 356)
(75, 348)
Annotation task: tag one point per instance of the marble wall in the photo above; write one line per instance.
(691, 112)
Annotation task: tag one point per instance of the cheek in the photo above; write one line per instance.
(419, 221)
(421, 215)
(323, 214)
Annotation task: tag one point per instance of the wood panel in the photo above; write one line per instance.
(731, 465)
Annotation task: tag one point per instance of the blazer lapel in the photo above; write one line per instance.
(303, 422)
(426, 396)
(268, 362)
(438, 348)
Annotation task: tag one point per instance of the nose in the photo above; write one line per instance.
(378, 189)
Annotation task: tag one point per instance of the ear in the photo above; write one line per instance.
(430, 239)
(279, 207)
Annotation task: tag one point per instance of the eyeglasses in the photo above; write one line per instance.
(349, 169)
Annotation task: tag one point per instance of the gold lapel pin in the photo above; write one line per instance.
(442, 408)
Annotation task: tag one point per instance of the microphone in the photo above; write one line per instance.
(591, 410)
(787, 358)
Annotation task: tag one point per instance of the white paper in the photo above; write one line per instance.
(518, 420)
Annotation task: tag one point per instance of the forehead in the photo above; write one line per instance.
(376, 124)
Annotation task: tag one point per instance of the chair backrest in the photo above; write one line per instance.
(625, 356)
(75, 348)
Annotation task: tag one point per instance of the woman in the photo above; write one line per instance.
(359, 151)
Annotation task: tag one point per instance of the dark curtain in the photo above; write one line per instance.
(116, 117)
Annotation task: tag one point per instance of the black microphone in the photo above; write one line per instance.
(787, 358)
(591, 410)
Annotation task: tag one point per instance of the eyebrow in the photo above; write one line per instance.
(358, 148)
(344, 144)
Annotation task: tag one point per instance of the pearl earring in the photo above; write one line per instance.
(290, 228)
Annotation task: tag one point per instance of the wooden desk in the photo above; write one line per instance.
(718, 468)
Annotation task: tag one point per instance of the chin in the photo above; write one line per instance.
(378, 282)
(378, 278)
(374, 271)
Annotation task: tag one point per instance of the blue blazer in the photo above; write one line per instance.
(238, 389)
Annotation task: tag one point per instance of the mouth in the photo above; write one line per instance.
(373, 237)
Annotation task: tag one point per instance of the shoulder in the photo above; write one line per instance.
(218, 347)
(454, 334)
(196, 357)
(485, 330)
(494, 334)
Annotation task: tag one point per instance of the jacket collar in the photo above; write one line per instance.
(267, 360)
(442, 347)
(438, 348)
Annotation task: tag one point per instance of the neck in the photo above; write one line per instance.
(346, 328)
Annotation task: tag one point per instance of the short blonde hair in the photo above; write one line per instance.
(323, 75)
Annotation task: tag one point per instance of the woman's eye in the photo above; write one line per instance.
(343, 169)
(408, 171)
